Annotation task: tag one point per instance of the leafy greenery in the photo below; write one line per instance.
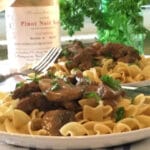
(34, 77)
(65, 53)
(55, 86)
(73, 13)
(116, 20)
(114, 84)
(69, 62)
(119, 114)
(125, 21)
(50, 74)
(92, 95)
(19, 84)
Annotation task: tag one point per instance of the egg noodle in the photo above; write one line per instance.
(126, 73)
(94, 118)
(99, 119)
(16, 121)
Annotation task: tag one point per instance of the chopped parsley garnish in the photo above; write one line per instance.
(92, 95)
(50, 74)
(20, 84)
(111, 82)
(34, 77)
(55, 86)
(65, 53)
(69, 62)
(95, 62)
(119, 114)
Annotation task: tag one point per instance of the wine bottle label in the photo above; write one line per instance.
(31, 32)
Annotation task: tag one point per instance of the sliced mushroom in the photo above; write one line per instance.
(60, 90)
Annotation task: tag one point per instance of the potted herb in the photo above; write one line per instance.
(116, 20)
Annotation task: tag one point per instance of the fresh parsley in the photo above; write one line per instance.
(95, 62)
(69, 62)
(92, 95)
(19, 85)
(65, 53)
(34, 77)
(111, 82)
(55, 86)
(119, 114)
(50, 74)
(116, 20)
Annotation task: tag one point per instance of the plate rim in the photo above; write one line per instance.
(82, 140)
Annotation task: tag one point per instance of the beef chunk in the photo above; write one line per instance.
(97, 45)
(74, 47)
(109, 95)
(71, 105)
(25, 90)
(120, 52)
(55, 119)
(34, 101)
(92, 87)
(82, 59)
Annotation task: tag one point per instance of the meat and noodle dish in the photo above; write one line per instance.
(80, 94)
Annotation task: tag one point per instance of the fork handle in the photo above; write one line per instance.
(5, 77)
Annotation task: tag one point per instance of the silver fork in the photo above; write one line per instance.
(41, 66)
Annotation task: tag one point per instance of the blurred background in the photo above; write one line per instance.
(124, 25)
(88, 34)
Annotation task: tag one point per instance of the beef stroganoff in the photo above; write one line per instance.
(80, 94)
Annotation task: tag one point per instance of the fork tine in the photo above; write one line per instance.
(52, 61)
(43, 59)
(48, 60)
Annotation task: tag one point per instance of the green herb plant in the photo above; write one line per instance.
(116, 20)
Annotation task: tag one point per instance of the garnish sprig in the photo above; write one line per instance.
(119, 114)
(93, 95)
(111, 82)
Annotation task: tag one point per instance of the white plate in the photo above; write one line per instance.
(80, 142)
